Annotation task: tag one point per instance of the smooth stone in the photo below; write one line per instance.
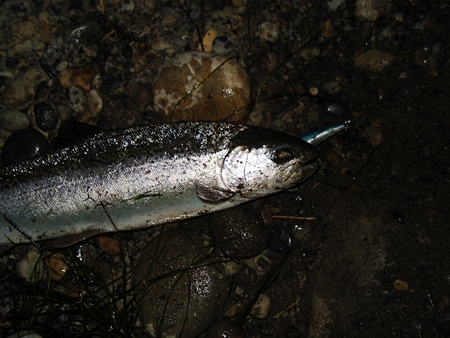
(180, 288)
(162, 43)
(268, 31)
(12, 120)
(200, 86)
(31, 46)
(95, 103)
(24, 144)
(238, 232)
(57, 267)
(373, 60)
(46, 116)
(20, 93)
(262, 306)
(223, 45)
(77, 100)
(30, 267)
(365, 10)
(18, 30)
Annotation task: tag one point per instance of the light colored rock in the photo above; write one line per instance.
(95, 103)
(268, 31)
(20, 93)
(365, 10)
(12, 120)
(201, 86)
(31, 267)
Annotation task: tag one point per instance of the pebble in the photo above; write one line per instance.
(29, 49)
(332, 88)
(261, 308)
(401, 285)
(178, 267)
(41, 93)
(238, 233)
(365, 10)
(13, 120)
(57, 267)
(327, 29)
(373, 60)
(31, 267)
(24, 144)
(268, 31)
(77, 100)
(300, 231)
(79, 77)
(109, 245)
(163, 43)
(46, 116)
(95, 103)
(373, 135)
(218, 87)
(20, 93)
(223, 45)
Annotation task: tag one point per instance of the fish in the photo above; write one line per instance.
(139, 177)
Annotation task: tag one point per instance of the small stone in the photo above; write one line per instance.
(223, 45)
(57, 267)
(31, 48)
(207, 41)
(300, 231)
(373, 135)
(327, 29)
(313, 91)
(109, 245)
(162, 43)
(20, 93)
(262, 306)
(12, 120)
(80, 77)
(46, 116)
(201, 86)
(77, 100)
(31, 267)
(373, 60)
(268, 31)
(24, 144)
(309, 53)
(95, 103)
(401, 285)
(332, 88)
(365, 10)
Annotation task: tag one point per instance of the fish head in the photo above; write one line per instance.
(263, 162)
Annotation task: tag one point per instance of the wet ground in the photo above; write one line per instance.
(376, 261)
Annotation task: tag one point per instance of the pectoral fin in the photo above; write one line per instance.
(213, 195)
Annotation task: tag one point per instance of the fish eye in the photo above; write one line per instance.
(281, 154)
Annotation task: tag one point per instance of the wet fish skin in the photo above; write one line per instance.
(145, 176)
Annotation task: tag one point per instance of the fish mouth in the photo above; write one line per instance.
(298, 173)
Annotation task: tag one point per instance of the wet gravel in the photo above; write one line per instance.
(374, 262)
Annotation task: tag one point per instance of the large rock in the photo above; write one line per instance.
(201, 86)
(180, 288)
